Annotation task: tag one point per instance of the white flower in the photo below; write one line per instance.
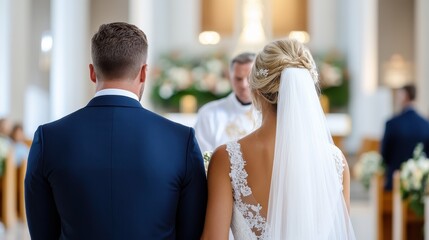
(180, 76)
(166, 90)
(368, 164)
(215, 66)
(423, 164)
(222, 86)
(414, 170)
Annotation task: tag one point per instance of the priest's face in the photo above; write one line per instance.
(240, 81)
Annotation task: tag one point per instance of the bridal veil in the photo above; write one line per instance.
(306, 199)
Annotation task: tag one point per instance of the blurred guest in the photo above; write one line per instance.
(4, 137)
(402, 133)
(18, 141)
(5, 128)
(229, 118)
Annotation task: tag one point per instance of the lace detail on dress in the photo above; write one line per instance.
(339, 163)
(251, 212)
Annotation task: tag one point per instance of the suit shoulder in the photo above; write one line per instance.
(161, 120)
(397, 119)
(59, 122)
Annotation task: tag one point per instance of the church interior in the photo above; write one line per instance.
(365, 52)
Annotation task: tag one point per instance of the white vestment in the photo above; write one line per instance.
(222, 121)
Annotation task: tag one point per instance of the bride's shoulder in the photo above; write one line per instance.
(335, 149)
(219, 160)
(339, 158)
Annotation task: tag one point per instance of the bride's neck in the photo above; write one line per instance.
(269, 122)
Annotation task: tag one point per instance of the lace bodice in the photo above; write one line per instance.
(339, 163)
(248, 221)
(245, 206)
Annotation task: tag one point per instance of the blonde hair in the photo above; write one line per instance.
(276, 56)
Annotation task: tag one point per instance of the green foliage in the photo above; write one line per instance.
(2, 165)
(334, 79)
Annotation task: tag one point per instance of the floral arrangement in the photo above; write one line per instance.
(414, 178)
(207, 155)
(205, 77)
(334, 79)
(369, 163)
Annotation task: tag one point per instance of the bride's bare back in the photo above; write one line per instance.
(258, 152)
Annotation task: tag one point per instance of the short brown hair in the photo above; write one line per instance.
(243, 58)
(118, 50)
(410, 90)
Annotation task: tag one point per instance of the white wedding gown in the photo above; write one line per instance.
(248, 220)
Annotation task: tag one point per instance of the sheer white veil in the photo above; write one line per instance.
(306, 199)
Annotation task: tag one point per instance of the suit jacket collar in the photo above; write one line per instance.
(408, 109)
(114, 100)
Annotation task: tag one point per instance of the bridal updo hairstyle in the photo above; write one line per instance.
(269, 64)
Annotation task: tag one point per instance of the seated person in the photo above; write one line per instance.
(18, 141)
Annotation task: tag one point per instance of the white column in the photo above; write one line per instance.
(69, 81)
(19, 56)
(141, 14)
(323, 25)
(422, 55)
(36, 99)
(5, 26)
(365, 105)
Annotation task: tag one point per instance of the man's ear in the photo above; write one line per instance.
(92, 74)
(143, 72)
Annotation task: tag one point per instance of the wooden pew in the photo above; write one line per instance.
(426, 218)
(382, 204)
(8, 191)
(406, 224)
(369, 144)
(21, 198)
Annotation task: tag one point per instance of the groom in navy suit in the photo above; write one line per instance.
(114, 170)
(403, 132)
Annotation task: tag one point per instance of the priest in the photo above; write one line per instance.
(232, 117)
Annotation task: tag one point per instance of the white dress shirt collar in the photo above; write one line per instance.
(237, 105)
(117, 92)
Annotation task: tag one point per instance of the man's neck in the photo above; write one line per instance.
(407, 107)
(241, 102)
(116, 84)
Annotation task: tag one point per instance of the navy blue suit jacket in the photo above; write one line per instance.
(113, 170)
(401, 136)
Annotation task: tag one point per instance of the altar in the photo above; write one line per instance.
(339, 124)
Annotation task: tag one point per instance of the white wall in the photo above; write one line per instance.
(4, 57)
(19, 57)
(324, 25)
(422, 55)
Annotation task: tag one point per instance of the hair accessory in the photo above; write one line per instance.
(262, 72)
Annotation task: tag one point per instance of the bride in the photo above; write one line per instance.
(286, 180)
